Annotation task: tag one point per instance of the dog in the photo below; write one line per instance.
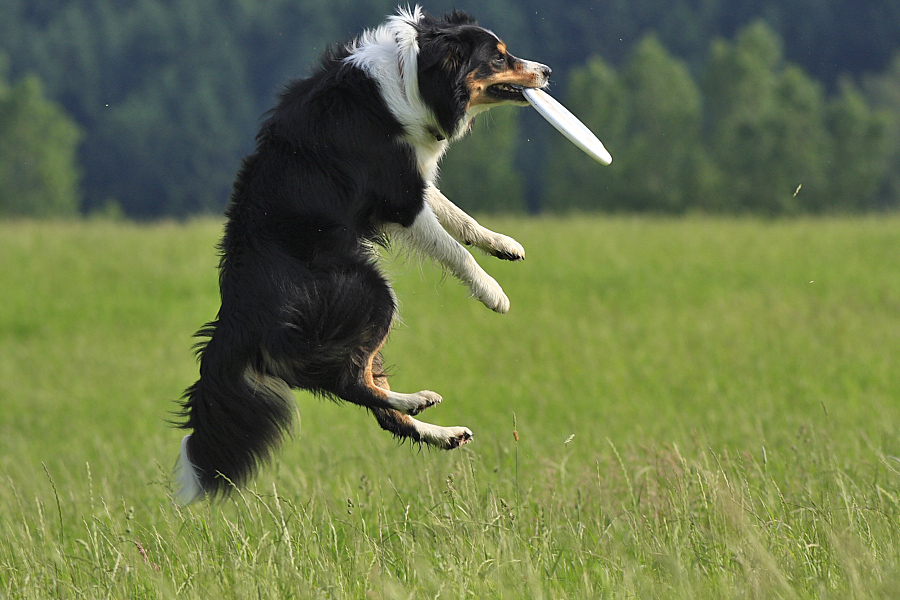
(347, 160)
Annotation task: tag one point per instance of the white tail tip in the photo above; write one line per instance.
(189, 488)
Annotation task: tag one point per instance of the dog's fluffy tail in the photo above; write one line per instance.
(238, 415)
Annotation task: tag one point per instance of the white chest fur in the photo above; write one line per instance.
(388, 54)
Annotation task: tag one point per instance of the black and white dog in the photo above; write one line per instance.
(346, 160)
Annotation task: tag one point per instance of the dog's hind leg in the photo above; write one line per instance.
(367, 386)
(404, 426)
(342, 343)
(336, 351)
(468, 231)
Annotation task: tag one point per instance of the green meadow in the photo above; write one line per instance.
(690, 408)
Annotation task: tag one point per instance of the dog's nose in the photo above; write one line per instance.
(546, 71)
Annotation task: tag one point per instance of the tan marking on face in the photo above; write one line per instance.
(518, 75)
(477, 89)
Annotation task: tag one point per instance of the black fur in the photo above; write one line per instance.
(303, 301)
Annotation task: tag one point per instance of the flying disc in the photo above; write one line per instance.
(567, 124)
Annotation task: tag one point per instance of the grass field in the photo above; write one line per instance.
(702, 408)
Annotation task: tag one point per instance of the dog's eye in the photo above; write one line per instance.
(500, 59)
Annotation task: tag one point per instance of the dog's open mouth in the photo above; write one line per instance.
(506, 91)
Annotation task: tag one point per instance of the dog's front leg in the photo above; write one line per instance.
(427, 236)
(468, 231)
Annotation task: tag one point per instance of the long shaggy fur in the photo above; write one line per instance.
(348, 156)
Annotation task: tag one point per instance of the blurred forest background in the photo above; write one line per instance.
(143, 108)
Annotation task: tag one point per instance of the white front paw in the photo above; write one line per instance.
(505, 248)
(491, 295)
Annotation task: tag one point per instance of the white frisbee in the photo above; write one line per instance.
(567, 124)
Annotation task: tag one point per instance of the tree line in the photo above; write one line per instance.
(778, 107)
(753, 133)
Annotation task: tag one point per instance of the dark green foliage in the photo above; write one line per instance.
(38, 172)
(885, 93)
(768, 133)
(758, 136)
(862, 152)
(168, 94)
(784, 147)
(650, 116)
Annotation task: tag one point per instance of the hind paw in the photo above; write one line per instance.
(457, 437)
(422, 400)
(445, 438)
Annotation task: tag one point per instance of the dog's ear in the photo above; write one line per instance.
(442, 42)
(440, 49)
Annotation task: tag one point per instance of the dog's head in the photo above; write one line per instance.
(464, 69)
